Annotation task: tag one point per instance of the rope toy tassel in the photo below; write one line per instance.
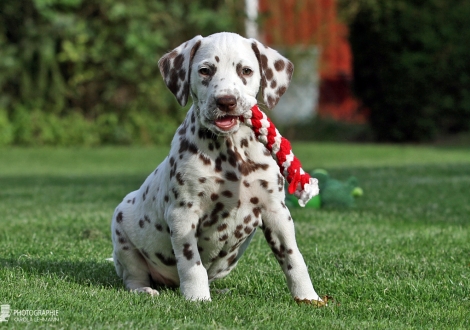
(300, 183)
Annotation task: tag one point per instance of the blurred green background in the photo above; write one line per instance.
(84, 72)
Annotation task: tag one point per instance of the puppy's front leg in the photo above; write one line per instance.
(279, 231)
(194, 283)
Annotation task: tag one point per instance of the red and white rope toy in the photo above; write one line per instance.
(300, 183)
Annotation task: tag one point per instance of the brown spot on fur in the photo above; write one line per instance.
(239, 69)
(119, 217)
(231, 176)
(269, 74)
(206, 160)
(238, 233)
(223, 238)
(179, 178)
(279, 65)
(187, 252)
(218, 164)
(178, 62)
(222, 227)
(246, 167)
(222, 253)
(231, 260)
(185, 145)
(264, 62)
(281, 90)
(290, 70)
(254, 200)
(170, 261)
(175, 193)
(182, 130)
(227, 193)
(268, 235)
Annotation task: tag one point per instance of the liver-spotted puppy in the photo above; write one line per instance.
(194, 216)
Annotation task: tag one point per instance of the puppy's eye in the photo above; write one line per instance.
(204, 71)
(247, 71)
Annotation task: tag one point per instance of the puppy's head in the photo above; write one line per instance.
(224, 73)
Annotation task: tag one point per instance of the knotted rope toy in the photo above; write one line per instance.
(299, 182)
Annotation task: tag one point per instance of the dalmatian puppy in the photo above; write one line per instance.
(194, 216)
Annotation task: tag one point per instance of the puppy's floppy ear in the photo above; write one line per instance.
(175, 68)
(276, 72)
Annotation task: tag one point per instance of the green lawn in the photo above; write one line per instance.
(400, 259)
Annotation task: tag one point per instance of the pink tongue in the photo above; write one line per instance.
(225, 122)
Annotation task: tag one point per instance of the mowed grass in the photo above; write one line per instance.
(400, 259)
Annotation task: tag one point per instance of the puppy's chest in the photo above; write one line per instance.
(205, 168)
(228, 183)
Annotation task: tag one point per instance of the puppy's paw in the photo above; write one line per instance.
(314, 303)
(199, 298)
(146, 289)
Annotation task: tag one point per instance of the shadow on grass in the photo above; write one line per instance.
(83, 273)
(89, 273)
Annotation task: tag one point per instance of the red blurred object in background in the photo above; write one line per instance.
(316, 23)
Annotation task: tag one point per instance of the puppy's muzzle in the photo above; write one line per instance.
(227, 104)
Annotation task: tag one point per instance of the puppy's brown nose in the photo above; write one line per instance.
(226, 103)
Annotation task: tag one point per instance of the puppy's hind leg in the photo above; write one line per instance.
(132, 267)
(129, 262)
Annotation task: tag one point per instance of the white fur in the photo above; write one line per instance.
(194, 216)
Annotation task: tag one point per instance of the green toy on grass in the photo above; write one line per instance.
(333, 193)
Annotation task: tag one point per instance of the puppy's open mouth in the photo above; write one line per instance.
(226, 123)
